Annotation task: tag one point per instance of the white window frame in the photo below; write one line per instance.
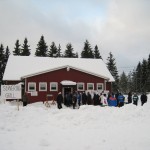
(51, 86)
(88, 86)
(101, 85)
(45, 84)
(31, 83)
(78, 86)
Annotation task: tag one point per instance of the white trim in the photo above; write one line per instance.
(51, 86)
(79, 84)
(100, 84)
(45, 85)
(29, 83)
(88, 85)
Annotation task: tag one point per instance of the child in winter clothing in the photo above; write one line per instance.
(104, 100)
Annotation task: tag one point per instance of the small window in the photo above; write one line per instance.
(53, 86)
(90, 86)
(31, 86)
(42, 86)
(100, 86)
(80, 86)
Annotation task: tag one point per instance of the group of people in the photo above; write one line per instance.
(135, 98)
(76, 99)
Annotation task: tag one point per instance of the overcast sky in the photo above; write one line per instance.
(118, 26)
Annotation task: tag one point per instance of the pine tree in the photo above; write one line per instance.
(123, 83)
(59, 51)
(87, 51)
(69, 51)
(137, 76)
(130, 82)
(17, 50)
(42, 48)
(144, 75)
(53, 50)
(97, 53)
(2, 60)
(76, 55)
(111, 65)
(25, 48)
(148, 77)
(6, 56)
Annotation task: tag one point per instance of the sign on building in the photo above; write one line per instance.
(11, 91)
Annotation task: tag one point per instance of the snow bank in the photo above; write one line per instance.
(36, 127)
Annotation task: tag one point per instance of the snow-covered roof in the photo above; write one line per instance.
(23, 66)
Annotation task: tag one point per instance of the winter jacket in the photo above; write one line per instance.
(59, 99)
(112, 101)
(135, 98)
(104, 101)
(121, 98)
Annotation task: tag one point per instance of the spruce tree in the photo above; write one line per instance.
(2, 61)
(59, 51)
(130, 82)
(144, 75)
(6, 56)
(53, 50)
(42, 48)
(17, 50)
(137, 76)
(97, 53)
(111, 65)
(76, 55)
(123, 83)
(69, 51)
(25, 48)
(87, 51)
(148, 77)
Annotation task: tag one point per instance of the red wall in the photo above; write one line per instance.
(58, 76)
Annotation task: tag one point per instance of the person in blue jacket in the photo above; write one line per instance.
(120, 100)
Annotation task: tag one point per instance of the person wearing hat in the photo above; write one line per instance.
(59, 100)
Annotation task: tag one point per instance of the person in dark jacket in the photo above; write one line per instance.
(135, 99)
(89, 98)
(120, 100)
(25, 99)
(59, 100)
(129, 97)
(95, 99)
(74, 100)
(84, 98)
(143, 99)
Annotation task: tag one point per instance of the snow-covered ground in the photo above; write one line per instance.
(36, 127)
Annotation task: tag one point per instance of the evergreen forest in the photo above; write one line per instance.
(137, 80)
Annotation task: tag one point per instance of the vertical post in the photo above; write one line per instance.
(18, 104)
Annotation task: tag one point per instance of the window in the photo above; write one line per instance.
(90, 86)
(80, 86)
(42, 86)
(31, 86)
(53, 86)
(100, 86)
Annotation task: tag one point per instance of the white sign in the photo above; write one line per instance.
(34, 93)
(11, 91)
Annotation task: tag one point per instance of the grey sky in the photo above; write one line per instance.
(119, 26)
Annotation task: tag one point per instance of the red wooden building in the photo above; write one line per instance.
(42, 76)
